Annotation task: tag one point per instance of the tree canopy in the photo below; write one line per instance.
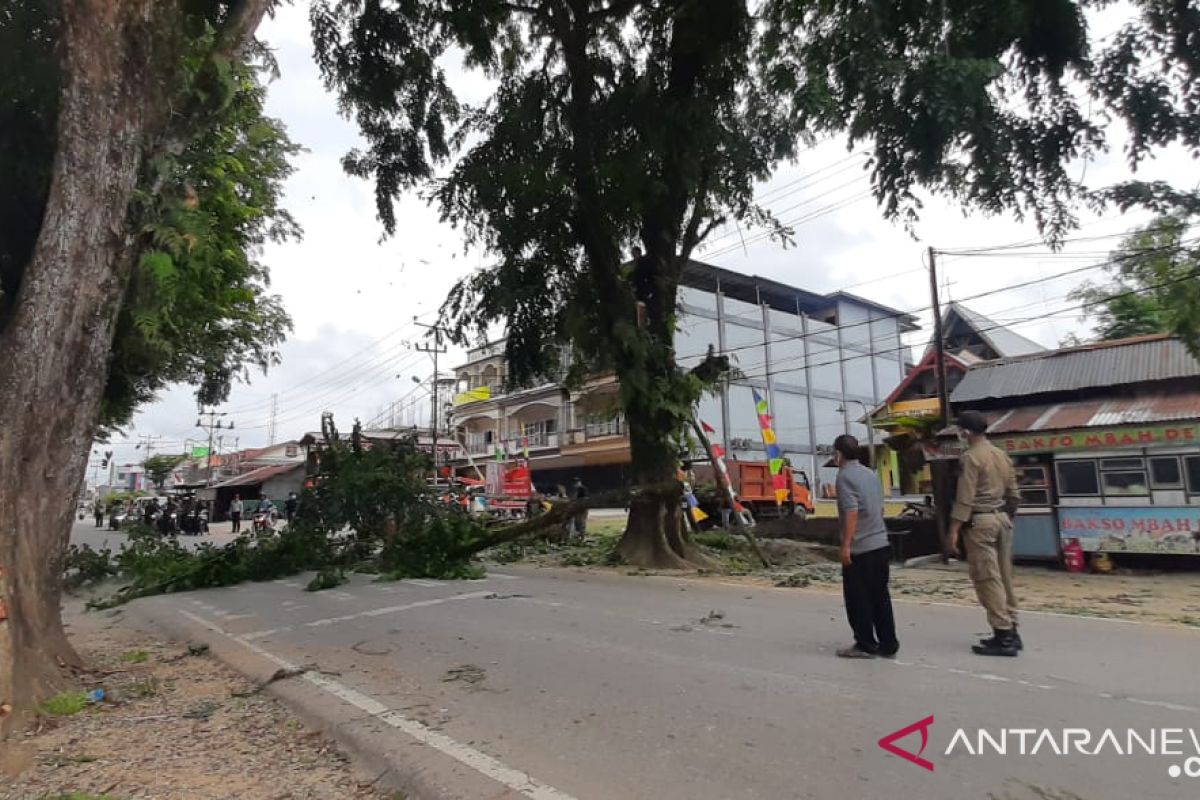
(1153, 285)
(614, 123)
(159, 467)
(197, 309)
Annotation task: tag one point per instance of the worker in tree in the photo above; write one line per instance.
(984, 505)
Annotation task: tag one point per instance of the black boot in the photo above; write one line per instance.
(1016, 637)
(1002, 644)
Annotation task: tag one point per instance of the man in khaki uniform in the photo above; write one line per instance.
(984, 506)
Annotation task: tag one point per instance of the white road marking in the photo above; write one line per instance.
(340, 595)
(373, 612)
(504, 577)
(386, 589)
(1161, 704)
(518, 781)
(425, 583)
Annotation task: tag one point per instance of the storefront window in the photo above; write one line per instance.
(1077, 478)
(1032, 482)
(1192, 466)
(1165, 473)
(1125, 484)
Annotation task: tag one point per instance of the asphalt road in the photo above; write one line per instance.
(558, 684)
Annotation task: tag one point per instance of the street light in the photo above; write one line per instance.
(870, 430)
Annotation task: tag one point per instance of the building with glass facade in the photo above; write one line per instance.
(822, 361)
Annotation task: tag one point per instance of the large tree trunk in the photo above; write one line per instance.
(656, 534)
(121, 64)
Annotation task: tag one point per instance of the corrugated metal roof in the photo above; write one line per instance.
(1096, 413)
(1120, 363)
(260, 475)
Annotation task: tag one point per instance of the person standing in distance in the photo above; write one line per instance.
(866, 555)
(984, 505)
(235, 513)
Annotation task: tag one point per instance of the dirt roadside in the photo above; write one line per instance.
(174, 725)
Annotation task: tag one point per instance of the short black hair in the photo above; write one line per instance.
(847, 445)
(973, 421)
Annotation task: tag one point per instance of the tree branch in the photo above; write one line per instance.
(239, 26)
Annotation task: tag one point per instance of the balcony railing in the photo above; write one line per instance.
(609, 427)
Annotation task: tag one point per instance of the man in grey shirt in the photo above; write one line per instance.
(866, 555)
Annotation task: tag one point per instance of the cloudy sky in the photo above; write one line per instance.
(353, 296)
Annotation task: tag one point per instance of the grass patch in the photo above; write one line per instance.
(717, 540)
(135, 656)
(66, 704)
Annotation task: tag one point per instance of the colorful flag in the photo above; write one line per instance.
(689, 497)
(771, 444)
(717, 453)
(525, 447)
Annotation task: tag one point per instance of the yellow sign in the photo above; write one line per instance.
(475, 395)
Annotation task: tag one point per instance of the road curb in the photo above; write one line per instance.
(379, 756)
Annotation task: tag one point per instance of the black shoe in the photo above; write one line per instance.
(1016, 639)
(1002, 644)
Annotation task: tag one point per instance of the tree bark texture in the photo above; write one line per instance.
(121, 66)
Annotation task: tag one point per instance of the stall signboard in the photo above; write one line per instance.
(1105, 439)
(1144, 529)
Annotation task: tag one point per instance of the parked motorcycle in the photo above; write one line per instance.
(195, 522)
(167, 523)
(117, 518)
(263, 523)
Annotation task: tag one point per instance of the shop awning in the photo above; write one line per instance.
(1098, 413)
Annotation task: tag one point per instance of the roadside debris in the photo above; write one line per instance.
(468, 673)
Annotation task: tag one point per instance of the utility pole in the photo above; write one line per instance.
(434, 350)
(213, 425)
(146, 441)
(939, 344)
(939, 470)
(274, 413)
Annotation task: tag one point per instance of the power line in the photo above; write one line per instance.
(1035, 318)
(912, 312)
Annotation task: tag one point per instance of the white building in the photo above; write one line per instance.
(820, 360)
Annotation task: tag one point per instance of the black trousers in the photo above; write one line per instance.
(868, 604)
(236, 517)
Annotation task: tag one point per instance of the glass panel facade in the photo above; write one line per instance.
(888, 375)
(745, 348)
(859, 379)
(782, 322)
(692, 338)
(828, 421)
(855, 323)
(791, 420)
(698, 298)
(825, 372)
(787, 357)
(744, 312)
(885, 334)
(743, 421)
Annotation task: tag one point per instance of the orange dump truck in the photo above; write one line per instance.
(754, 487)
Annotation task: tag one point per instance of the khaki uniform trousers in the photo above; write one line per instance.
(989, 563)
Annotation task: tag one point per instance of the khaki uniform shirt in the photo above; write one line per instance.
(987, 482)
